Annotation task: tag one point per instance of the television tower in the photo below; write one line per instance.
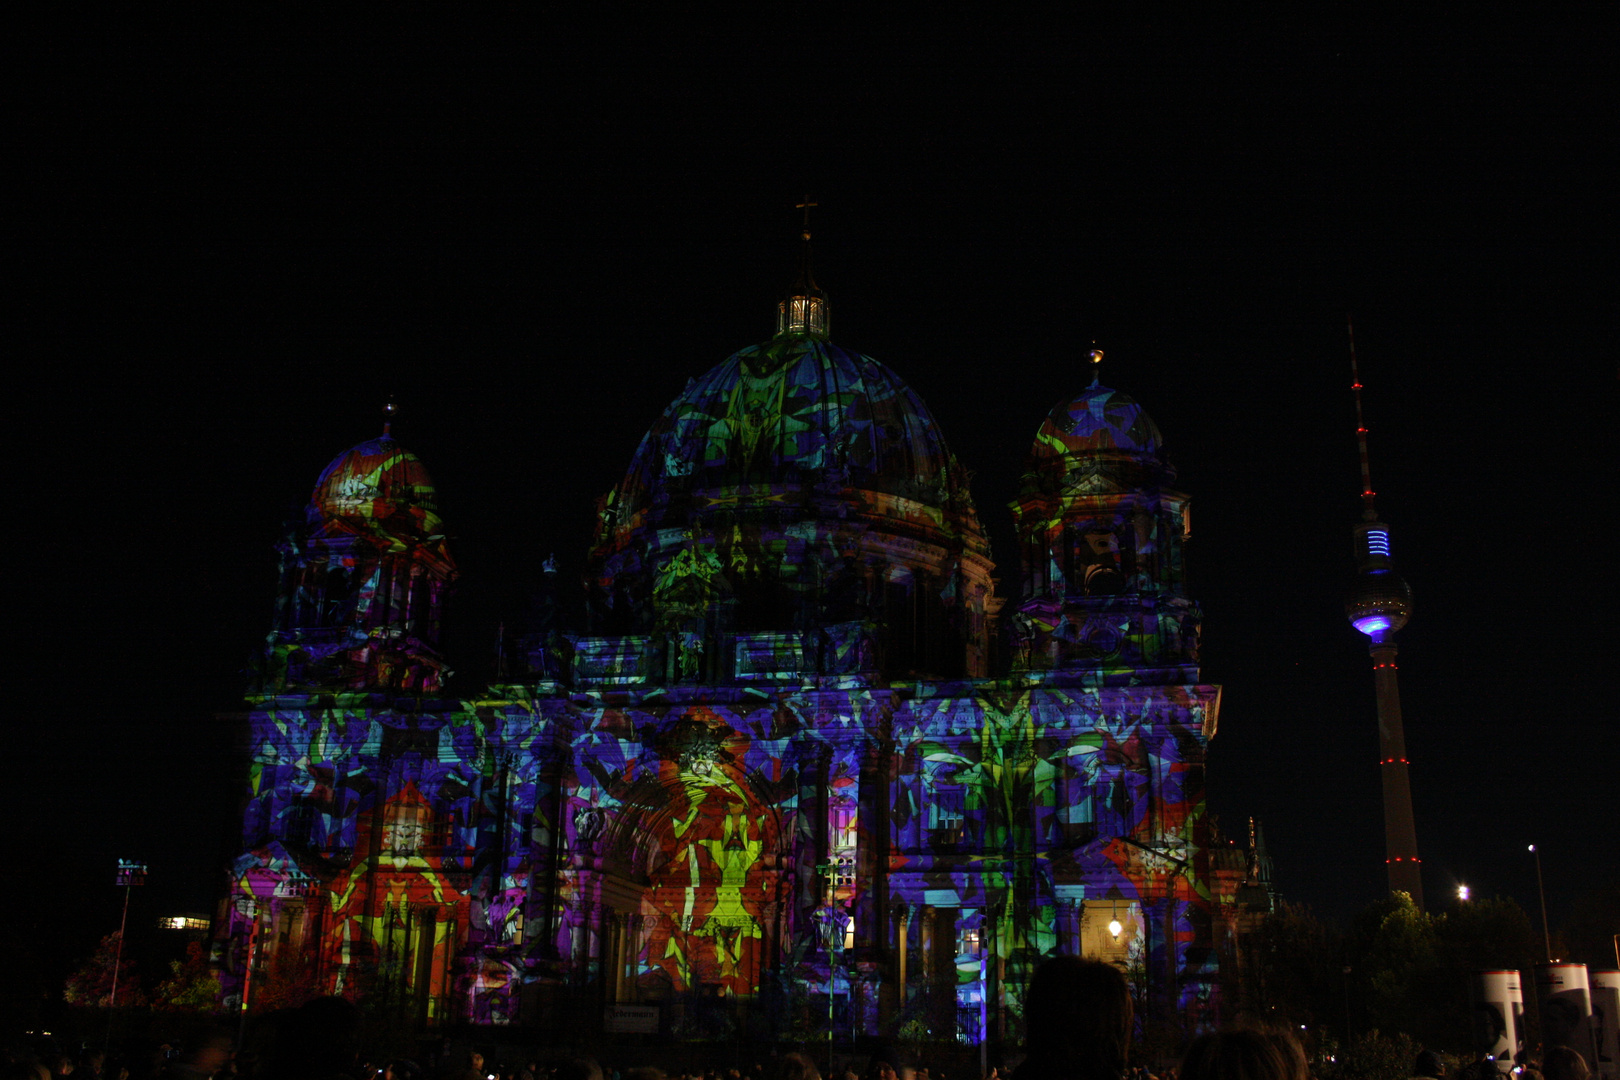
(1380, 605)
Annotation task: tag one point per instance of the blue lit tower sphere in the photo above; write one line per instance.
(1379, 606)
(1381, 601)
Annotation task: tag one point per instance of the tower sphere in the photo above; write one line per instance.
(1380, 604)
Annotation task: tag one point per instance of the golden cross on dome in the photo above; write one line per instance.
(805, 206)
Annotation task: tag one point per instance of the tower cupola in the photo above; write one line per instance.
(1101, 530)
(364, 579)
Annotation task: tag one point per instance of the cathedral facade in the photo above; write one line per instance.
(800, 754)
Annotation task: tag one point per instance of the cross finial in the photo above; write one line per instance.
(804, 310)
(388, 414)
(1096, 364)
(804, 231)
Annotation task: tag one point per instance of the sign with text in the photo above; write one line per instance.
(631, 1019)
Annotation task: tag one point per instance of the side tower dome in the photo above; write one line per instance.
(1100, 531)
(797, 488)
(363, 582)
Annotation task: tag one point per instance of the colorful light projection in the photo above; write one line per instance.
(1101, 530)
(364, 581)
(796, 485)
(691, 838)
(774, 759)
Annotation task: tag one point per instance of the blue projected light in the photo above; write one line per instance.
(1371, 624)
(1378, 542)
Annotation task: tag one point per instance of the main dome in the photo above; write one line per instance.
(790, 422)
(797, 488)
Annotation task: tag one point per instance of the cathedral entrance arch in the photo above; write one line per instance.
(695, 847)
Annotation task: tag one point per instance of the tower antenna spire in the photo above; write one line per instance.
(1368, 513)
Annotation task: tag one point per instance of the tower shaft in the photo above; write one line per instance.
(1400, 829)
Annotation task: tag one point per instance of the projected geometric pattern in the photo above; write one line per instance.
(800, 747)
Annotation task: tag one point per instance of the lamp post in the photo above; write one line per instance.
(832, 938)
(1546, 937)
(130, 874)
(252, 910)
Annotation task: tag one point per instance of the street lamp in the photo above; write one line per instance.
(1546, 937)
(130, 874)
(1462, 892)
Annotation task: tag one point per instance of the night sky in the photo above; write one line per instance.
(236, 244)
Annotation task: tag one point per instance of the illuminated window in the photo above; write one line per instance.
(844, 872)
(967, 942)
(947, 812)
(845, 827)
(802, 315)
(405, 830)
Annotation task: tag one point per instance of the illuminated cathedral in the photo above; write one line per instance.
(800, 761)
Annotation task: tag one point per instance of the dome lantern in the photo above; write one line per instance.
(803, 312)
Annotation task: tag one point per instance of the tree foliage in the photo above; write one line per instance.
(1417, 970)
(288, 984)
(1411, 972)
(191, 986)
(1372, 1056)
(1293, 973)
(92, 983)
(1394, 959)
